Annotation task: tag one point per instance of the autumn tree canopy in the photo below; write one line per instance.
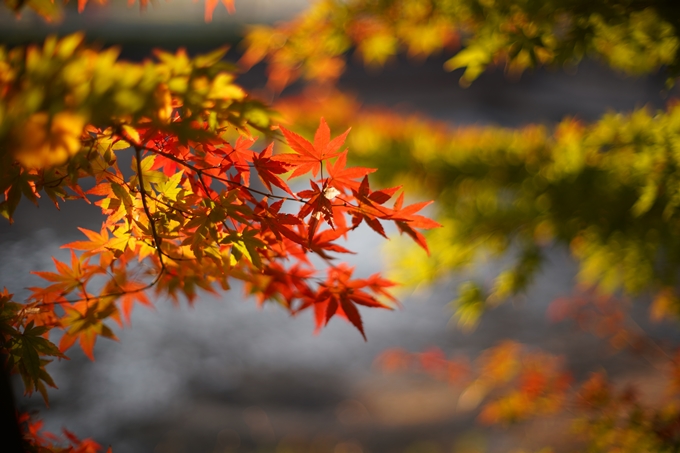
(185, 217)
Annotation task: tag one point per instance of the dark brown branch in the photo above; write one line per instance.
(152, 222)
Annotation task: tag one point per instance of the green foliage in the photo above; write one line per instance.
(609, 191)
(26, 346)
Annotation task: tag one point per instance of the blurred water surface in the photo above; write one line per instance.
(224, 376)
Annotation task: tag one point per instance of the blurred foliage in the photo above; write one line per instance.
(630, 35)
(511, 382)
(609, 191)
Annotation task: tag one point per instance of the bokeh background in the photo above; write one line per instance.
(223, 376)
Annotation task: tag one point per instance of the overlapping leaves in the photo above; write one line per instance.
(188, 215)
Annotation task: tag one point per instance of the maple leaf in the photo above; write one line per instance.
(240, 155)
(14, 184)
(131, 291)
(325, 242)
(95, 245)
(378, 285)
(170, 158)
(318, 205)
(307, 157)
(68, 278)
(345, 178)
(82, 446)
(84, 321)
(277, 222)
(171, 188)
(406, 220)
(268, 170)
(278, 283)
(96, 241)
(26, 351)
(340, 295)
(369, 209)
(145, 176)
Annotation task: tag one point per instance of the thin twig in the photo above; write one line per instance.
(103, 296)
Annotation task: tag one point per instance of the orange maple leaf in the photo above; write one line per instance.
(308, 157)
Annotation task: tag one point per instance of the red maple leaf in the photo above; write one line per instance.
(307, 157)
(270, 217)
(318, 205)
(167, 150)
(281, 284)
(345, 178)
(268, 169)
(340, 295)
(406, 220)
(239, 157)
(369, 209)
(96, 245)
(325, 242)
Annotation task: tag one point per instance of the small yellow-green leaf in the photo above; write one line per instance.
(131, 133)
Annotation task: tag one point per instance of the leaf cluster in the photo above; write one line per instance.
(49, 95)
(189, 215)
(186, 216)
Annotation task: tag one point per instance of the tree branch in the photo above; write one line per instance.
(152, 223)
